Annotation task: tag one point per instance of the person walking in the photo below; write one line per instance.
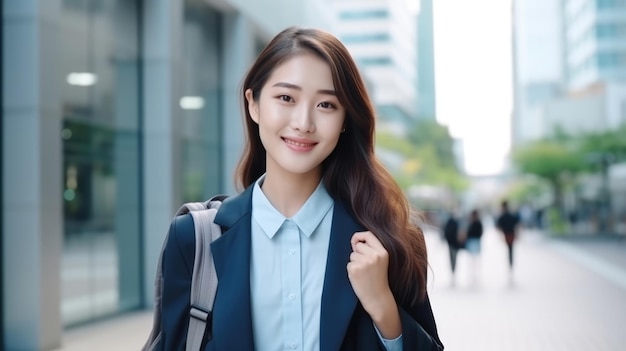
(452, 237)
(319, 251)
(507, 224)
(473, 236)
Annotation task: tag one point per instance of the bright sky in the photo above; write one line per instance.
(473, 78)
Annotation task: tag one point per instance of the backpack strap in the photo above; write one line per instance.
(155, 334)
(204, 278)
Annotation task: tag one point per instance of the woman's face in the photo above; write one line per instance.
(299, 116)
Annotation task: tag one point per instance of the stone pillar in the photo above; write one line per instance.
(32, 176)
(239, 53)
(127, 158)
(161, 164)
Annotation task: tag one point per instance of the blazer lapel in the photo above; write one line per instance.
(338, 298)
(232, 323)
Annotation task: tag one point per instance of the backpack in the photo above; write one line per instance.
(203, 280)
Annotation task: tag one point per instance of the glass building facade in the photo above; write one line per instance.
(596, 41)
(115, 112)
(98, 89)
(426, 94)
(382, 36)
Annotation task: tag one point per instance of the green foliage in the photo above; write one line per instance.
(563, 156)
(391, 142)
(553, 160)
(611, 143)
(548, 159)
(429, 133)
(428, 156)
(556, 223)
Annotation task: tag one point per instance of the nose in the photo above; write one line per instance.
(302, 119)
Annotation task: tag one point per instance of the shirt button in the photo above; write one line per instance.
(292, 252)
(292, 297)
(294, 346)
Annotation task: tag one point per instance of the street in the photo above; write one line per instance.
(564, 295)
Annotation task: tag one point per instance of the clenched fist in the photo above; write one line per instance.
(367, 271)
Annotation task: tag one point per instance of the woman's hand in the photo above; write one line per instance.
(367, 271)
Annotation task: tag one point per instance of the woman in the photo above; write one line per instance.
(318, 252)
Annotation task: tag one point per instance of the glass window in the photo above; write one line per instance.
(366, 38)
(608, 59)
(608, 4)
(610, 30)
(98, 58)
(364, 14)
(200, 103)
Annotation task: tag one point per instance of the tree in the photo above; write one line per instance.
(552, 161)
(427, 156)
(601, 149)
(612, 144)
(429, 133)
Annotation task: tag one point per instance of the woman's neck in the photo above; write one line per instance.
(288, 193)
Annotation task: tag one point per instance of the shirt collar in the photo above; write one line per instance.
(308, 218)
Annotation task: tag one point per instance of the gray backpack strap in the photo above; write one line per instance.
(204, 278)
(155, 335)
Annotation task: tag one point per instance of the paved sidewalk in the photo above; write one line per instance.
(554, 302)
(124, 333)
(562, 298)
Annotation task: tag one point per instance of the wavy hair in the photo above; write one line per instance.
(351, 173)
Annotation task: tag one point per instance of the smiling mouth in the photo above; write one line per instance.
(298, 144)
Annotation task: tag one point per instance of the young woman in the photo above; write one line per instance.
(319, 251)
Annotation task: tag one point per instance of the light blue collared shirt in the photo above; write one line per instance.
(287, 272)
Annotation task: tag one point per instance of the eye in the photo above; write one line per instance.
(285, 98)
(326, 104)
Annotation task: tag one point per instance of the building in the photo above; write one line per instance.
(426, 92)
(114, 113)
(570, 76)
(595, 59)
(538, 67)
(569, 66)
(382, 37)
(595, 37)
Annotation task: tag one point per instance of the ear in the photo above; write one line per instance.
(253, 106)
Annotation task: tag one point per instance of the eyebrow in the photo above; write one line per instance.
(296, 87)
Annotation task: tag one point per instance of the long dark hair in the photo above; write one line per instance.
(351, 173)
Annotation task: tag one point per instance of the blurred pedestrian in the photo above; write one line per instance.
(318, 252)
(507, 224)
(452, 235)
(473, 236)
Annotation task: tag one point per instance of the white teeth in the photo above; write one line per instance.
(295, 143)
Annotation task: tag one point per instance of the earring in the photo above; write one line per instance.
(343, 130)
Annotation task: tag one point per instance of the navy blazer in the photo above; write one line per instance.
(344, 324)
